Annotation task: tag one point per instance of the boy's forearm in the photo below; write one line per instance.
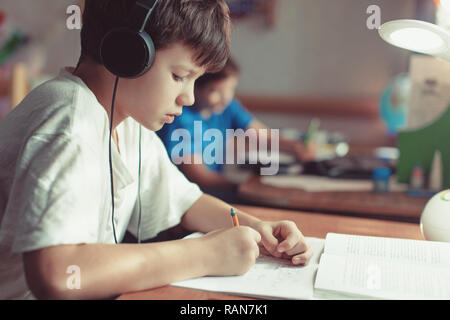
(209, 213)
(110, 270)
(285, 145)
(107, 270)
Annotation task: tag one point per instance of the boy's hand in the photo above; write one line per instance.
(282, 239)
(232, 251)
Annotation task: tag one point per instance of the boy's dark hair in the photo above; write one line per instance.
(203, 25)
(231, 68)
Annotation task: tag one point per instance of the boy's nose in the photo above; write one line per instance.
(190, 100)
(187, 98)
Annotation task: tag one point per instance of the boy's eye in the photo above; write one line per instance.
(177, 78)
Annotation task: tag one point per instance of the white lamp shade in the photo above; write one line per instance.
(418, 36)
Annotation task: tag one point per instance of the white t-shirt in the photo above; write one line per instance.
(55, 181)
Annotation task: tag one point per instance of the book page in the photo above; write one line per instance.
(315, 183)
(370, 277)
(319, 184)
(269, 278)
(405, 250)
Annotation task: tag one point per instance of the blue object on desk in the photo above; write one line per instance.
(381, 176)
(393, 103)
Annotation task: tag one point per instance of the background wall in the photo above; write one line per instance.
(320, 57)
(320, 48)
(317, 47)
(45, 22)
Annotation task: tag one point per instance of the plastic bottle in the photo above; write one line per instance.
(417, 178)
(435, 181)
(381, 176)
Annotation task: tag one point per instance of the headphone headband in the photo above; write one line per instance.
(148, 4)
(140, 13)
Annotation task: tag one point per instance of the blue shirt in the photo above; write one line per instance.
(198, 139)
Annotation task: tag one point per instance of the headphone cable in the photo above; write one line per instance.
(110, 161)
(139, 189)
(111, 171)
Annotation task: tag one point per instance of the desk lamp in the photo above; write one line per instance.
(418, 36)
(427, 38)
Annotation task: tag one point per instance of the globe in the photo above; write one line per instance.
(435, 218)
(393, 104)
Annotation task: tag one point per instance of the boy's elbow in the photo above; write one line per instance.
(50, 289)
(44, 277)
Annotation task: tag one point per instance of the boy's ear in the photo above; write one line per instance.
(127, 54)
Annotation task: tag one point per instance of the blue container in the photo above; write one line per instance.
(380, 177)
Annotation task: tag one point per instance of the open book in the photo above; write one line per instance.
(269, 278)
(384, 268)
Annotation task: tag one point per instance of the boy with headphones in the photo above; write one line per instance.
(81, 164)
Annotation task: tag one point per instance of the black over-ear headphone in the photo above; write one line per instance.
(128, 51)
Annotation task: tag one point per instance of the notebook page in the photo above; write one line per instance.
(268, 278)
(406, 250)
(377, 278)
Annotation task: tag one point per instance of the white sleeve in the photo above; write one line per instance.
(54, 197)
(166, 194)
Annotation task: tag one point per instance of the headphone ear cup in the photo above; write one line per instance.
(127, 53)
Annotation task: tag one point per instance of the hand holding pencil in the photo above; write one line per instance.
(232, 251)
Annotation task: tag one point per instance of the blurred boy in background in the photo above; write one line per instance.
(217, 108)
